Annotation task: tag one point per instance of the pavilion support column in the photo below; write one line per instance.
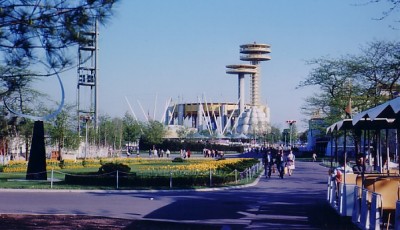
(365, 143)
(378, 151)
(387, 150)
(369, 148)
(336, 147)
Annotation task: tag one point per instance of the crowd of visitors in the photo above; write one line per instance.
(160, 153)
(184, 153)
(212, 153)
(284, 161)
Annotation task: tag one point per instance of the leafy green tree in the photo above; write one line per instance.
(39, 35)
(367, 79)
(62, 130)
(105, 131)
(153, 133)
(25, 129)
(17, 93)
(117, 134)
(132, 129)
(41, 32)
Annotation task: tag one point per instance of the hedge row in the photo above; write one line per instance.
(133, 180)
(194, 146)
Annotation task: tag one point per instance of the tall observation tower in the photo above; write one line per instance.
(87, 99)
(255, 53)
(254, 120)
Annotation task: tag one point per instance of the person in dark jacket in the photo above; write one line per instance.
(280, 163)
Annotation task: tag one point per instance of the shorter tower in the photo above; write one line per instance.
(241, 70)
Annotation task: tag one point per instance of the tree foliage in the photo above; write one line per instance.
(63, 131)
(132, 128)
(36, 38)
(153, 133)
(368, 79)
(40, 32)
(393, 8)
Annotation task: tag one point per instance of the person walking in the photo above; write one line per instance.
(290, 162)
(280, 163)
(268, 162)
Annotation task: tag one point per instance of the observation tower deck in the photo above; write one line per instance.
(255, 52)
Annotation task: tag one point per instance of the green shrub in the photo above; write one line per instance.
(240, 166)
(178, 159)
(113, 167)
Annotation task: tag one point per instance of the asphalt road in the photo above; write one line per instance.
(295, 202)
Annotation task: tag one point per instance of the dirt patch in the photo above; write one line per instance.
(66, 222)
(61, 222)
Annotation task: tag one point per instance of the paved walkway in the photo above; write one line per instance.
(295, 202)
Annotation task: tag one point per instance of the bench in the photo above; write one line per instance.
(346, 194)
(340, 195)
(378, 200)
(362, 198)
(383, 200)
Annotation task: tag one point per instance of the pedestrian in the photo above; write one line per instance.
(314, 157)
(290, 162)
(268, 162)
(150, 153)
(280, 164)
(168, 153)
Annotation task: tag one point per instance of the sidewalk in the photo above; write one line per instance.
(297, 201)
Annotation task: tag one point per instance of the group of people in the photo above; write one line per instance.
(212, 153)
(159, 153)
(360, 167)
(185, 153)
(285, 163)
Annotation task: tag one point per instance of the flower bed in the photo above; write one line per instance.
(201, 173)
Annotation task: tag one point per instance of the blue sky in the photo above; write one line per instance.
(179, 49)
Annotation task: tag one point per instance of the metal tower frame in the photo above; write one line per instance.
(255, 53)
(87, 98)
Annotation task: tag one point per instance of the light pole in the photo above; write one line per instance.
(290, 122)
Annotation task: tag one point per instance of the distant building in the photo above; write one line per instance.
(317, 140)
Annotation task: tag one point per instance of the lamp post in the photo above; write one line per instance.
(290, 122)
